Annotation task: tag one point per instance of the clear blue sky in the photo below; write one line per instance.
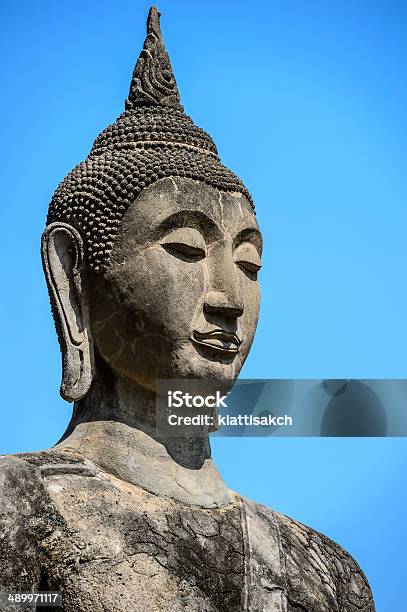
(307, 102)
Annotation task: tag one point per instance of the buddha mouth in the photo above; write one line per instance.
(218, 340)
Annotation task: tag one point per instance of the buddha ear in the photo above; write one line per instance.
(62, 258)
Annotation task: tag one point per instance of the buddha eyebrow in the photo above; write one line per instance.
(191, 218)
(250, 234)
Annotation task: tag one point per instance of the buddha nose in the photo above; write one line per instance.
(218, 303)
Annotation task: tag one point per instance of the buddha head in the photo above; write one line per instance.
(152, 249)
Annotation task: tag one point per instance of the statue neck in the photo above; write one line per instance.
(114, 426)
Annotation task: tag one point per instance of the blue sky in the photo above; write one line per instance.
(307, 102)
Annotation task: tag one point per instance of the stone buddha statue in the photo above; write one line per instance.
(151, 254)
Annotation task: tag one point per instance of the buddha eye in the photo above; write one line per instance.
(186, 243)
(184, 251)
(251, 270)
(249, 266)
(247, 258)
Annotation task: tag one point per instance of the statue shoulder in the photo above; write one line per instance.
(310, 553)
(27, 517)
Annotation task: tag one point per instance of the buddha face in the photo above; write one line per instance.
(181, 296)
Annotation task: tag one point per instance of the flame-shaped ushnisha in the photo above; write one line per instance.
(152, 139)
(153, 81)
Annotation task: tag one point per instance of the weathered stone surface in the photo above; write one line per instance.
(151, 255)
(110, 545)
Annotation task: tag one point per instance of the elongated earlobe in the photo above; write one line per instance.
(62, 258)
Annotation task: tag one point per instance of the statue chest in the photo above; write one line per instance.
(125, 549)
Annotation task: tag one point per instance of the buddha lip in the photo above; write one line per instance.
(218, 339)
